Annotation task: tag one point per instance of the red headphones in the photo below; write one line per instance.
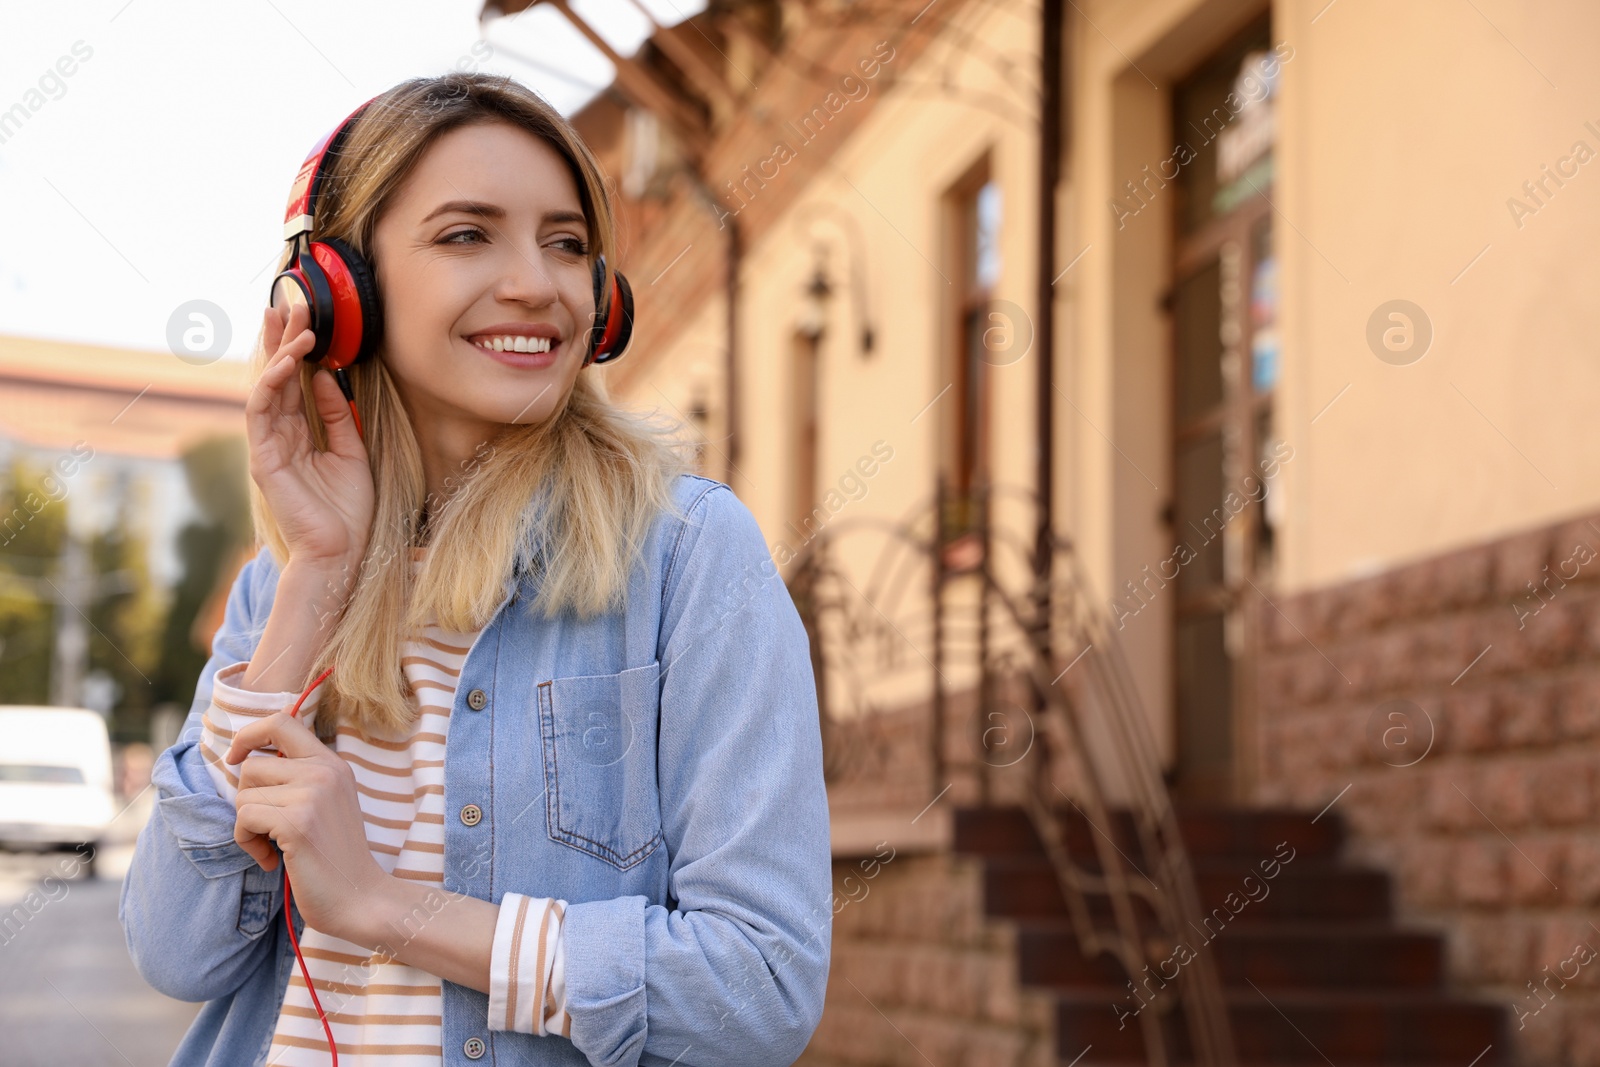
(338, 285)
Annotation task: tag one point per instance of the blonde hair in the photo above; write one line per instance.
(571, 498)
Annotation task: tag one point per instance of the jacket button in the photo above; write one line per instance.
(473, 1048)
(471, 815)
(477, 700)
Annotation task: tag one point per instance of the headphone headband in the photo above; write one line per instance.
(300, 215)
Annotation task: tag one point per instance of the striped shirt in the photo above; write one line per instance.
(382, 1011)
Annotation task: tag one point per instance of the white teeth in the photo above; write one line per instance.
(515, 343)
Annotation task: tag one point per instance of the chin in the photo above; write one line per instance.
(519, 396)
(524, 408)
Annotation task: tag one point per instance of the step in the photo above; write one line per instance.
(1272, 955)
(1246, 834)
(1253, 834)
(1307, 890)
(1303, 1027)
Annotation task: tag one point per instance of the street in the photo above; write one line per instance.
(69, 995)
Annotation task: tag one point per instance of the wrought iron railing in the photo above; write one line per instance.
(1031, 701)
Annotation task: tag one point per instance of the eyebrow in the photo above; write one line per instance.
(493, 211)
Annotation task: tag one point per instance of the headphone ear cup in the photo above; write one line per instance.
(303, 282)
(601, 309)
(356, 337)
(614, 330)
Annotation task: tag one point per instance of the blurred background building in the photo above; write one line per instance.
(1171, 419)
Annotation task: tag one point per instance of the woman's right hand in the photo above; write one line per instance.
(322, 501)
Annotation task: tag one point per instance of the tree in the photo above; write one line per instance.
(33, 528)
(217, 472)
(126, 614)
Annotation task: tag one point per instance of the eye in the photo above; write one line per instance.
(578, 246)
(450, 239)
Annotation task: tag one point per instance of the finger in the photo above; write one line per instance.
(295, 333)
(292, 320)
(343, 437)
(277, 797)
(275, 419)
(256, 843)
(279, 385)
(280, 730)
(279, 322)
(260, 849)
(301, 341)
(271, 329)
(252, 832)
(298, 337)
(262, 768)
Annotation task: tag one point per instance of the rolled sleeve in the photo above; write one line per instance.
(527, 973)
(230, 710)
(606, 946)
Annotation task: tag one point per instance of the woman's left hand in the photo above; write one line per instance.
(308, 804)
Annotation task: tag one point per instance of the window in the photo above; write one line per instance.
(973, 216)
(25, 772)
(805, 507)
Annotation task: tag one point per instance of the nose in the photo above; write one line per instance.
(525, 279)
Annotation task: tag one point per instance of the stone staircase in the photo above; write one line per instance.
(1314, 967)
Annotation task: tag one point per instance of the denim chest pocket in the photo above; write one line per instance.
(599, 734)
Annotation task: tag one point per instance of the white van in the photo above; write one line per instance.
(55, 780)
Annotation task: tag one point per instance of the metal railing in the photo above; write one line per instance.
(1017, 662)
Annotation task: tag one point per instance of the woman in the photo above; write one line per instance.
(560, 800)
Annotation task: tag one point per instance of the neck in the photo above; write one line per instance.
(451, 452)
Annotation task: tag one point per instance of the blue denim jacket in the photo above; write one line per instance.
(660, 769)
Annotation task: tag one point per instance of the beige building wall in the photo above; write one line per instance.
(1407, 130)
(1403, 132)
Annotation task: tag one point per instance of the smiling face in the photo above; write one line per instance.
(483, 251)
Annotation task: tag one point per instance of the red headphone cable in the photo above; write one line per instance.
(350, 398)
(287, 920)
(349, 395)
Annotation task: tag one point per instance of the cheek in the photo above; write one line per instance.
(421, 313)
(430, 300)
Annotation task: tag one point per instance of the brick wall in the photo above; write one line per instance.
(1458, 699)
(919, 975)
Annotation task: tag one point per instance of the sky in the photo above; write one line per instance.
(156, 172)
